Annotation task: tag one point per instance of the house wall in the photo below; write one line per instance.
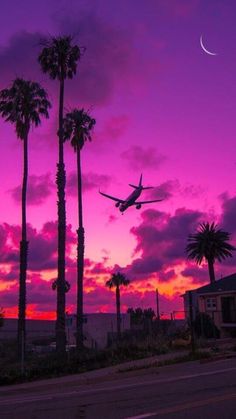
(96, 328)
(216, 312)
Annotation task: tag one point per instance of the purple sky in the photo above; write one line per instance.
(163, 107)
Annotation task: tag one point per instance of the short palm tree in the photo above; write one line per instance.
(77, 128)
(23, 104)
(209, 243)
(59, 59)
(117, 280)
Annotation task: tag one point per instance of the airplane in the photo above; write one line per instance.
(132, 199)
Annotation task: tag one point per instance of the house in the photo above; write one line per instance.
(98, 329)
(218, 300)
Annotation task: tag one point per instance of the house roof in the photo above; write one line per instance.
(228, 283)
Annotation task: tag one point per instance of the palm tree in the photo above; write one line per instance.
(77, 128)
(209, 243)
(23, 104)
(59, 59)
(117, 280)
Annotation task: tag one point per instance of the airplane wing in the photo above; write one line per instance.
(146, 202)
(112, 197)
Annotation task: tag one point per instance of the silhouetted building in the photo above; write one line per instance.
(218, 300)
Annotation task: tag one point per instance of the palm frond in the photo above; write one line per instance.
(210, 243)
(117, 279)
(77, 127)
(59, 57)
(23, 104)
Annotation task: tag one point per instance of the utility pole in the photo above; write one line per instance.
(191, 322)
(157, 304)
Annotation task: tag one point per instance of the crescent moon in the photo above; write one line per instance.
(204, 48)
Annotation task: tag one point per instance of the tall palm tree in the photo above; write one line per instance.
(23, 104)
(77, 128)
(59, 59)
(209, 243)
(117, 280)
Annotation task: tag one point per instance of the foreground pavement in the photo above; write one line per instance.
(188, 390)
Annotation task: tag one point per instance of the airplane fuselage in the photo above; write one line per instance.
(130, 200)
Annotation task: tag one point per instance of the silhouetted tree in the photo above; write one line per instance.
(1, 317)
(23, 104)
(59, 59)
(117, 280)
(211, 243)
(77, 128)
(138, 315)
(149, 313)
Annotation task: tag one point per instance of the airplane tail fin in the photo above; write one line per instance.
(140, 180)
(140, 184)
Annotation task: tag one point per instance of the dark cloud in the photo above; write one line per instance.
(39, 189)
(42, 247)
(110, 61)
(165, 190)
(162, 239)
(139, 158)
(90, 181)
(167, 276)
(198, 274)
(19, 58)
(145, 266)
(228, 219)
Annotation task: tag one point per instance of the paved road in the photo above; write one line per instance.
(190, 390)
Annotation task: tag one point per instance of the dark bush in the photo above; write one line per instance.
(205, 327)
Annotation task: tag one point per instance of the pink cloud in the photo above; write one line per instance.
(165, 190)
(39, 189)
(90, 181)
(139, 158)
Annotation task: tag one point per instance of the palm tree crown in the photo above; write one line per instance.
(77, 127)
(117, 280)
(210, 243)
(59, 57)
(23, 104)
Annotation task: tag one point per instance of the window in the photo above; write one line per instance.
(211, 304)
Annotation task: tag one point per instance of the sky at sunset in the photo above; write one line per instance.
(163, 107)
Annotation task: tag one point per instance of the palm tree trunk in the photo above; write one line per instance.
(118, 311)
(80, 257)
(23, 259)
(211, 271)
(61, 182)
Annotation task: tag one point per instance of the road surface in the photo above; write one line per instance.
(187, 390)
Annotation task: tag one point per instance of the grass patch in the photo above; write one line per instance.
(186, 358)
(40, 366)
(175, 360)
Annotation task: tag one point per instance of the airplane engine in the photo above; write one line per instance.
(117, 204)
(138, 206)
